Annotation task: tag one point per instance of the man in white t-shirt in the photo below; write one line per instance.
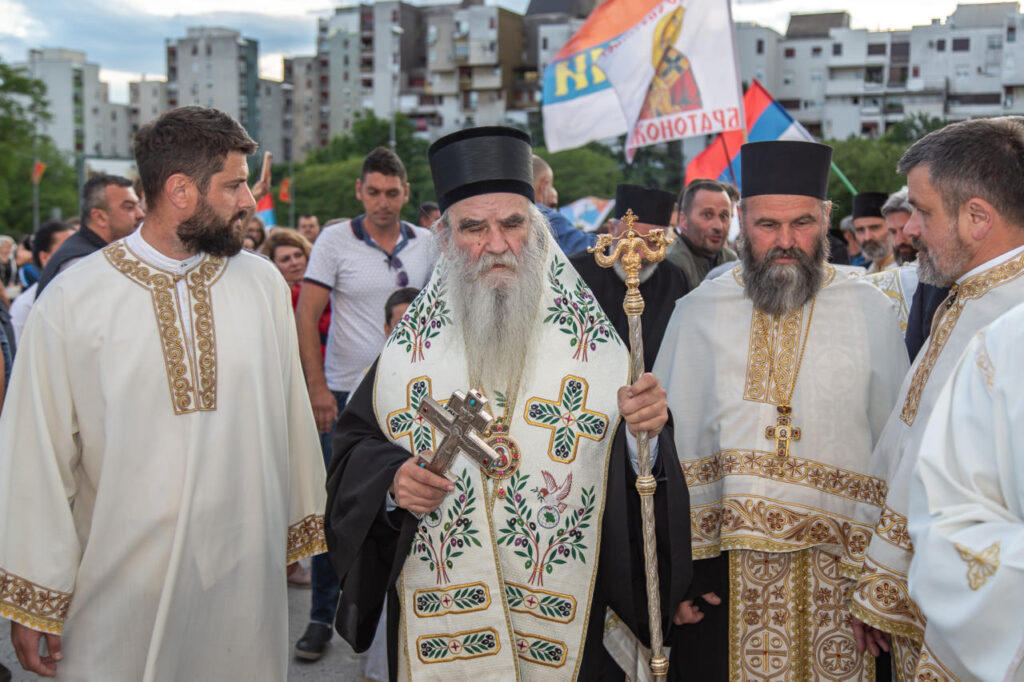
(355, 265)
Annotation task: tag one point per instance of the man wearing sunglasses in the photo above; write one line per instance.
(355, 265)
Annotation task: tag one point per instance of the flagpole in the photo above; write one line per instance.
(843, 178)
(739, 79)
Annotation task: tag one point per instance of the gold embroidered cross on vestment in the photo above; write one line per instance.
(783, 432)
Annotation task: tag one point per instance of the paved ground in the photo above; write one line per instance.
(339, 664)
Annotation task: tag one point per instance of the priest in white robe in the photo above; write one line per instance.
(780, 375)
(160, 464)
(967, 511)
(968, 226)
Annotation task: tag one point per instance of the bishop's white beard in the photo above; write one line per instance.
(498, 311)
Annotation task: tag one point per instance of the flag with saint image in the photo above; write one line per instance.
(675, 73)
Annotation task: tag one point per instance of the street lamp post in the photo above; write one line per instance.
(396, 72)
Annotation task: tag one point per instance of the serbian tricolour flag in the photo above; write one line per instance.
(588, 213)
(766, 120)
(675, 73)
(265, 210)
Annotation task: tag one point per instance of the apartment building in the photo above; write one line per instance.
(840, 81)
(147, 99)
(215, 67)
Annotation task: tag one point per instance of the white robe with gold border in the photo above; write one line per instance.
(787, 521)
(967, 511)
(880, 597)
(899, 284)
(155, 476)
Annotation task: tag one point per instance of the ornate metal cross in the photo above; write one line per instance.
(461, 422)
(783, 432)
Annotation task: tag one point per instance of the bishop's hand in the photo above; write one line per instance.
(417, 490)
(644, 405)
(867, 637)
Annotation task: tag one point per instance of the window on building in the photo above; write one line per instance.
(760, 46)
(837, 49)
(544, 43)
(1011, 34)
(994, 42)
(789, 53)
(875, 49)
(788, 77)
(900, 51)
(940, 45)
(209, 50)
(816, 51)
(915, 71)
(874, 74)
(816, 76)
(492, 24)
(961, 44)
(791, 104)
(394, 16)
(963, 71)
(195, 50)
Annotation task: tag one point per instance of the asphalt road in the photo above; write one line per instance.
(339, 663)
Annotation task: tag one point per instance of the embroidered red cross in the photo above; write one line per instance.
(446, 601)
(522, 645)
(531, 601)
(454, 646)
(568, 419)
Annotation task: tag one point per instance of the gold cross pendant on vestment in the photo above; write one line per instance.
(783, 432)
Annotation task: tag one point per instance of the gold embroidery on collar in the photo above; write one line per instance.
(191, 368)
(793, 470)
(774, 345)
(35, 606)
(973, 288)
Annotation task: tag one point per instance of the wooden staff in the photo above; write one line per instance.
(633, 249)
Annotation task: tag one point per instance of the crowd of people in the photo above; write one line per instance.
(196, 405)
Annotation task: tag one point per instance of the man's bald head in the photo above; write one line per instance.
(543, 181)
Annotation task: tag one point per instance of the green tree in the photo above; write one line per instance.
(22, 103)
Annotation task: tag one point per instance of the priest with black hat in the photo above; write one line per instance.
(780, 375)
(876, 240)
(661, 284)
(505, 572)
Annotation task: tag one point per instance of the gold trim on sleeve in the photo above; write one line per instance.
(881, 599)
(306, 538)
(32, 605)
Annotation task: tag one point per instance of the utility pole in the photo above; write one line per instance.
(396, 80)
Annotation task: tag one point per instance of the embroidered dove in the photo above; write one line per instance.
(552, 494)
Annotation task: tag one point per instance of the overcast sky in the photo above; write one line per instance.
(126, 37)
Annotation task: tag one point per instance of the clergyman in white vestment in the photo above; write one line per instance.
(967, 510)
(160, 463)
(966, 183)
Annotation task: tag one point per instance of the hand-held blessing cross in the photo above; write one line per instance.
(633, 249)
(460, 422)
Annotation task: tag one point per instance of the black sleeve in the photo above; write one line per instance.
(366, 544)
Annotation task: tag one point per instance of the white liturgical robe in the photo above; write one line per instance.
(880, 598)
(155, 476)
(967, 511)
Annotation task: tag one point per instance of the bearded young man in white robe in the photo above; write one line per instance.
(780, 375)
(160, 464)
(967, 510)
(507, 573)
(966, 184)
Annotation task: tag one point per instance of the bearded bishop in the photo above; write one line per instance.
(757, 364)
(504, 574)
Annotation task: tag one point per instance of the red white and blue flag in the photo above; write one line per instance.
(766, 120)
(265, 210)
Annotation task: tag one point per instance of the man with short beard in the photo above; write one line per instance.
(966, 184)
(160, 464)
(873, 234)
(504, 574)
(780, 375)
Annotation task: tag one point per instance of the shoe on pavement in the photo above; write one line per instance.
(311, 646)
(5, 674)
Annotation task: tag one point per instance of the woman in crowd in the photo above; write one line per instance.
(255, 234)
